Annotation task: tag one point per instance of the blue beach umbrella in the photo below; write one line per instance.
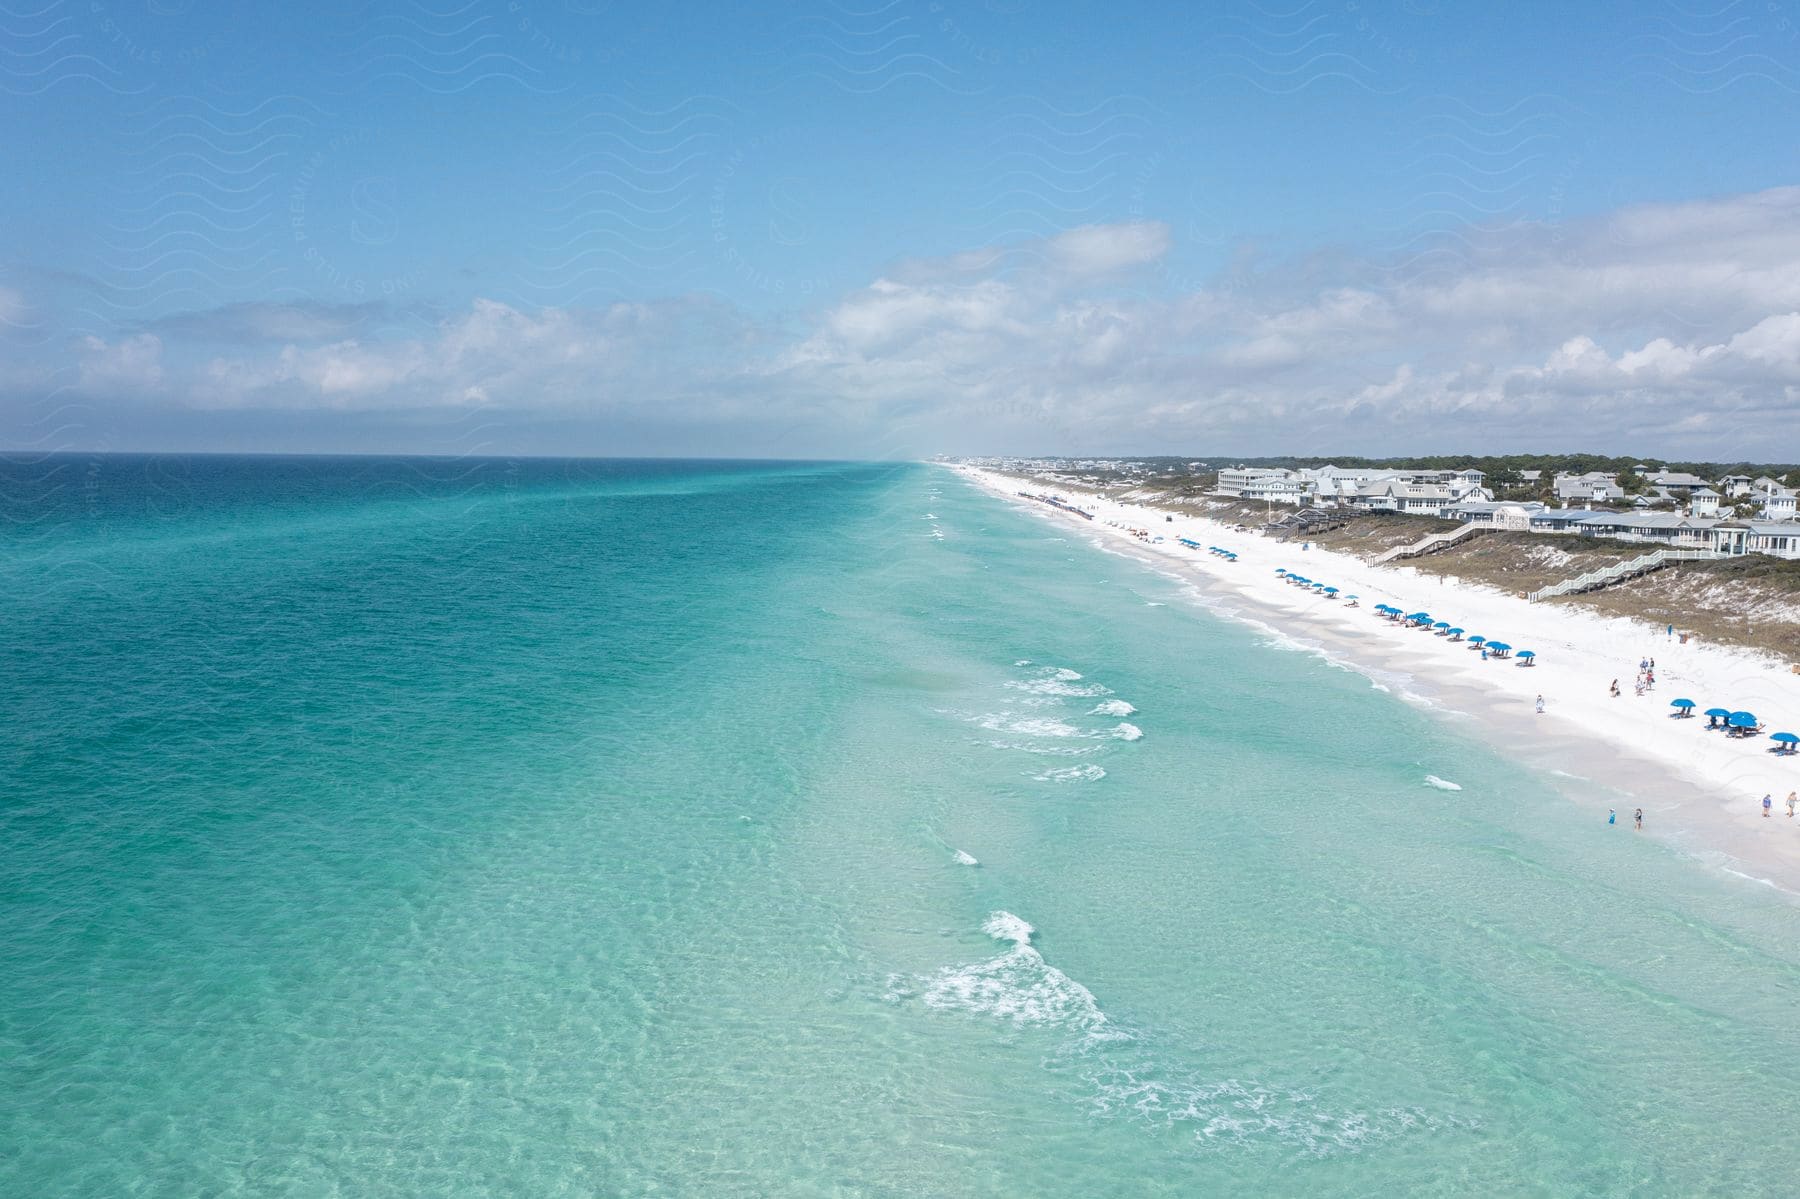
(1456, 632)
(1527, 653)
(1442, 624)
(1498, 647)
(1281, 570)
(1718, 713)
(1477, 639)
(1741, 720)
(1784, 738)
(1682, 703)
(1331, 591)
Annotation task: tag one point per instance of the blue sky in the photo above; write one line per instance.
(900, 227)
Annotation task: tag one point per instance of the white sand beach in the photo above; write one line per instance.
(1700, 789)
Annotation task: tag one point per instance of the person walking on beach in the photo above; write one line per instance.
(1638, 816)
(1792, 797)
(1615, 689)
(1767, 804)
(1540, 705)
(1612, 817)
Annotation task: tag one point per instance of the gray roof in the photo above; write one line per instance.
(1649, 520)
(1569, 514)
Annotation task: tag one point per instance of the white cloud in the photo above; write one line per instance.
(1671, 321)
(129, 367)
(1094, 250)
(13, 309)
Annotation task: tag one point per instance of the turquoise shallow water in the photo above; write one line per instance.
(419, 828)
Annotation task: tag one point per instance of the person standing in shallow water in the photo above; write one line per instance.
(1612, 816)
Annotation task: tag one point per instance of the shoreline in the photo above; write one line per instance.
(1700, 791)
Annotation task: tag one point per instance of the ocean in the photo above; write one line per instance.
(425, 827)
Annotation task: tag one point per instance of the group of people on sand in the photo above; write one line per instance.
(1646, 678)
(1792, 799)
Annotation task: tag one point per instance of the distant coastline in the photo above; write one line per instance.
(1701, 790)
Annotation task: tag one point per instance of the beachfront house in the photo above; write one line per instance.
(1777, 538)
(1737, 487)
(1670, 530)
(1269, 484)
(1563, 520)
(1703, 501)
(1515, 517)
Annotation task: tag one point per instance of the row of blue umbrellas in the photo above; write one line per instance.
(1727, 719)
(1302, 581)
(1221, 551)
(1444, 628)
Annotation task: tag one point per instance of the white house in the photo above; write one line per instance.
(1669, 529)
(1595, 487)
(1258, 483)
(1778, 504)
(1780, 538)
(1675, 480)
(1703, 501)
(1512, 516)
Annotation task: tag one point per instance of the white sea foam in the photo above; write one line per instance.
(1072, 774)
(1432, 780)
(1004, 926)
(1030, 726)
(1127, 732)
(1058, 687)
(1112, 707)
(1023, 662)
(1129, 1083)
(1018, 987)
(966, 859)
(1049, 749)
